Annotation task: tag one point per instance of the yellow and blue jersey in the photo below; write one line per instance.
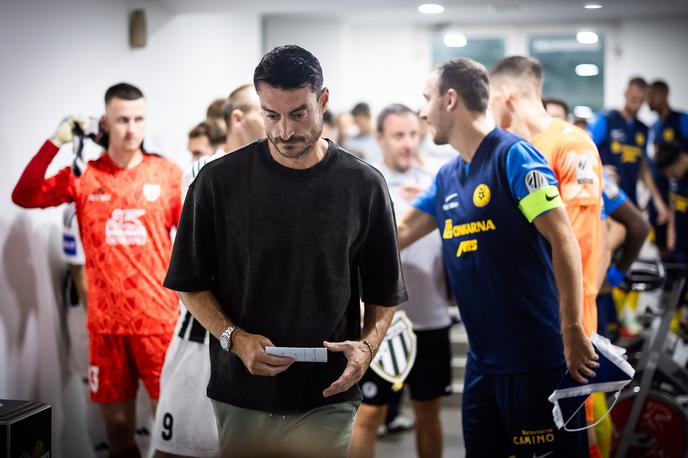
(673, 129)
(622, 144)
(499, 265)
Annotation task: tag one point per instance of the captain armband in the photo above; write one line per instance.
(539, 202)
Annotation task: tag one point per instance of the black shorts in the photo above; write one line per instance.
(430, 377)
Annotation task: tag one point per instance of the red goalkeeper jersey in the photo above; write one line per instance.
(125, 217)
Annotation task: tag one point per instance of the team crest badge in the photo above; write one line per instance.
(151, 192)
(640, 139)
(397, 352)
(668, 134)
(616, 147)
(481, 195)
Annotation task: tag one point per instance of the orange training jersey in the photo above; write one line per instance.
(576, 163)
(125, 217)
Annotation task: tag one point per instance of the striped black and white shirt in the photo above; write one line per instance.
(190, 328)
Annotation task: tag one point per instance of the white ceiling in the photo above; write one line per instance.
(456, 11)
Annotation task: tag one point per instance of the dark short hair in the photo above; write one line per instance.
(361, 109)
(469, 79)
(581, 122)
(210, 129)
(666, 155)
(660, 84)
(518, 67)
(124, 91)
(637, 81)
(553, 101)
(199, 130)
(289, 67)
(395, 108)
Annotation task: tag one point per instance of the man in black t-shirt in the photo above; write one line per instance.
(277, 244)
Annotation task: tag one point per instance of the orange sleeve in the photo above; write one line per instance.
(579, 171)
(580, 178)
(33, 190)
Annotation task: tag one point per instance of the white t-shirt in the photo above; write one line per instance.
(422, 262)
(196, 167)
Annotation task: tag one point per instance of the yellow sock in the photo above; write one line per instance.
(603, 430)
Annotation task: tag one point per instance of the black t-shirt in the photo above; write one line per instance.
(288, 253)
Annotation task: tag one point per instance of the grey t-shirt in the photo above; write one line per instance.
(364, 146)
(422, 262)
(288, 253)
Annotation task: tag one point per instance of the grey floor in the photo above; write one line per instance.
(403, 445)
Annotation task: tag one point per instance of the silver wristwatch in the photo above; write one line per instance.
(226, 338)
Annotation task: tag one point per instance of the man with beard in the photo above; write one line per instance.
(621, 139)
(277, 244)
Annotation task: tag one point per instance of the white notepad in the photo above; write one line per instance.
(302, 354)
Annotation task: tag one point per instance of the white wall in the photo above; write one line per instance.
(379, 76)
(57, 59)
(327, 39)
(386, 63)
(652, 49)
(379, 64)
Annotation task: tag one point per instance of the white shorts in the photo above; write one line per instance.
(185, 421)
(78, 339)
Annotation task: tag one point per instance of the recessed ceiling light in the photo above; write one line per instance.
(455, 40)
(592, 6)
(587, 37)
(587, 70)
(430, 8)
